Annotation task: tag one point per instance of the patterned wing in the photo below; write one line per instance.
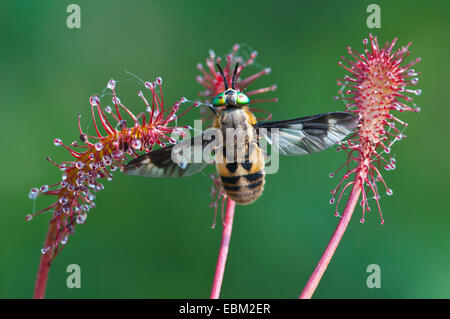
(168, 162)
(306, 135)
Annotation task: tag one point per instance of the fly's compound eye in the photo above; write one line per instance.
(242, 99)
(219, 100)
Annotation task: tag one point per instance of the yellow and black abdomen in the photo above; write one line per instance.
(243, 182)
(242, 174)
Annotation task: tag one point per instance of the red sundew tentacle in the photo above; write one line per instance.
(264, 101)
(158, 103)
(142, 114)
(159, 118)
(93, 103)
(227, 67)
(84, 136)
(207, 84)
(129, 113)
(358, 68)
(353, 141)
(379, 158)
(154, 102)
(115, 101)
(109, 111)
(236, 48)
(362, 220)
(165, 129)
(72, 152)
(349, 160)
(373, 185)
(380, 177)
(78, 145)
(246, 82)
(263, 90)
(211, 66)
(364, 202)
(354, 55)
(409, 65)
(159, 81)
(54, 192)
(398, 59)
(374, 188)
(206, 75)
(349, 154)
(187, 110)
(393, 127)
(250, 60)
(336, 213)
(347, 68)
(171, 111)
(336, 189)
(40, 212)
(162, 136)
(391, 46)
(391, 134)
(51, 161)
(348, 98)
(105, 123)
(354, 87)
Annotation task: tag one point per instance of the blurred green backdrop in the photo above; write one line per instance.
(153, 238)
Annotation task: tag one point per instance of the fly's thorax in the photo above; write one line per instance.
(238, 136)
(234, 118)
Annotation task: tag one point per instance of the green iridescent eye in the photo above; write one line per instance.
(219, 100)
(242, 99)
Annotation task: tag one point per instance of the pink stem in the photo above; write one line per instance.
(223, 252)
(44, 266)
(314, 280)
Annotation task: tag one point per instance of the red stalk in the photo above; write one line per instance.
(314, 280)
(44, 266)
(223, 252)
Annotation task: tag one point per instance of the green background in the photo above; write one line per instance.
(153, 238)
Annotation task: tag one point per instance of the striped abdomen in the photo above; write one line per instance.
(242, 182)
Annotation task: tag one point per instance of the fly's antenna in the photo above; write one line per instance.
(233, 83)
(223, 76)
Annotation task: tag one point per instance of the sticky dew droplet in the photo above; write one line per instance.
(79, 164)
(99, 146)
(111, 84)
(57, 142)
(81, 218)
(64, 240)
(136, 144)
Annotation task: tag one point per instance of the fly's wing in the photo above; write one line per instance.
(167, 161)
(308, 135)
